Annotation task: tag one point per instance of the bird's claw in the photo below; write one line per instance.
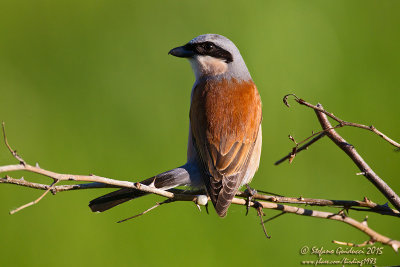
(250, 195)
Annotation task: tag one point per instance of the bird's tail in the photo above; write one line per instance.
(166, 180)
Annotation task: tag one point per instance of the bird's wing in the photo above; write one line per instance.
(225, 117)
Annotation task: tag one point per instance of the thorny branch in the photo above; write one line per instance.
(297, 149)
(316, 136)
(259, 202)
(329, 130)
(341, 122)
(13, 152)
(365, 169)
(364, 205)
(181, 196)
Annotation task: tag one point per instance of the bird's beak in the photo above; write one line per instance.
(181, 51)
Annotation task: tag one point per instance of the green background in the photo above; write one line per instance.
(88, 87)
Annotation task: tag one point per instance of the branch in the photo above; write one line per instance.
(35, 201)
(365, 205)
(106, 182)
(13, 152)
(365, 169)
(376, 237)
(329, 130)
(100, 182)
(321, 134)
(169, 200)
(340, 121)
(84, 178)
(296, 150)
(55, 189)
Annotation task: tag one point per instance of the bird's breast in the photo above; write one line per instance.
(226, 111)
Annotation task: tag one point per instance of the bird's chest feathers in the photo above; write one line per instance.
(226, 108)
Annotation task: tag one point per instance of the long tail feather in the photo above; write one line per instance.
(166, 180)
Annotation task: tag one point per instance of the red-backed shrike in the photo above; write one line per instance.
(224, 144)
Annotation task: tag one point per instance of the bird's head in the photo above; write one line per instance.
(213, 56)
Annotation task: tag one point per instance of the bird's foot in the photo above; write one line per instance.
(250, 195)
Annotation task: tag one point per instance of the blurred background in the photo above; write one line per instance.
(88, 87)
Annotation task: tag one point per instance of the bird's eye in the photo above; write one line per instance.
(208, 46)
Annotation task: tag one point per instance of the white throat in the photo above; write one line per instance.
(207, 66)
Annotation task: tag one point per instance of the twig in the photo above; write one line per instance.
(55, 189)
(260, 213)
(349, 149)
(13, 152)
(84, 178)
(298, 150)
(340, 121)
(366, 203)
(321, 134)
(368, 242)
(146, 211)
(35, 201)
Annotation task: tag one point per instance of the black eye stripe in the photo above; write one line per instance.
(210, 49)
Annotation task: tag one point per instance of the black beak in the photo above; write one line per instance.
(181, 51)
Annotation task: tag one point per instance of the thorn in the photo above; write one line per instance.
(342, 213)
(152, 184)
(360, 173)
(37, 165)
(292, 138)
(367, 200)
(365, 221)
(292, 154)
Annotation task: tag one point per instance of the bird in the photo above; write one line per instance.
(225, 137)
